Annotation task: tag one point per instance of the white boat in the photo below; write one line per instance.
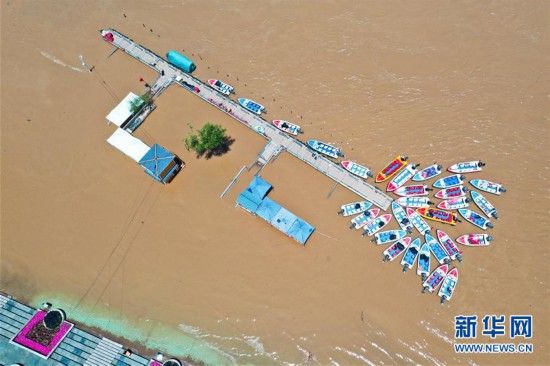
(220, 86)
(287, 127)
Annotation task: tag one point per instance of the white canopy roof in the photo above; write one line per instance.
(128, 144)
(122, 111)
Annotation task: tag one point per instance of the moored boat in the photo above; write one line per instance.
(287, 127)
(391, 169)
(413, 190)
(396, 248)
(410, 255)
(449, 284)
(220, 86)
(466, 167)
(449, 245)
(475, 219)
(362, 219)
(357, 169)
(449, 181)
(354, 208)
(252, 106)
(487, 186)
(475, 240)
(484, 205)
(427, 173)
(418, 221)
(435, 279)
(454, 203)
(446, 217)
(325, 149)
(414, 201)
(402, 177)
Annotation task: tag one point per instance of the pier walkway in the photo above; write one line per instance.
(171, 74)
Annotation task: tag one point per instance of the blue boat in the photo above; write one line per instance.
(252, 106)
(401, 217)
(410, 255)
(484, 205)
(325, 149)
(449, 181)
(437, 250)
(424, 262)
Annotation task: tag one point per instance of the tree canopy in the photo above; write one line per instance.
(210, 139)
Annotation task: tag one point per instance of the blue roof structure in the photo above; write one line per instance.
(160, 163)
(268, 209)
(301, 230)
(259, 187)
(248, 201)
(254, 200)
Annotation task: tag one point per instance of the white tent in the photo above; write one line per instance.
(128, 144)
(122, 111)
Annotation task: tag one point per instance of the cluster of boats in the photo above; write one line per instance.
(321, 147)
(413, 207)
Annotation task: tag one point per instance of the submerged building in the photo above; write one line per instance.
(158, 162)
(254, 200)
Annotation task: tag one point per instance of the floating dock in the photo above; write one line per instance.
(171, 74)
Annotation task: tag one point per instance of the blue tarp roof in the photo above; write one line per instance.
(156, 160)
(283, 220)
(248, 201)
(268, 209)
(254, 200)
(259, 187)
(301, 230)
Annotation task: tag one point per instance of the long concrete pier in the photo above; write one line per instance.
(171, 74)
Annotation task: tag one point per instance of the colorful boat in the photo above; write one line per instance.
(287, 127)
(221, 86)
(415, 202)
(358, 170)
(427, 173)
(446, 217)
(484, 205)
(354, 208)
(402, 177)
(466, 167)
(454, 203)
(449, 246)
(374, 225)
(388, 236)
(449, 181)
(437, 250)
(435, 279)
(396, 248)
(401, 217)
(475, 240)
(325, 149)
(453, 192)
(252, 106)
(475, 219)
(449, 284)
(413, 190)
(423, 268)
(389, 171)
(361, 220)
(410, 255)
(418, 222)
(486, 186)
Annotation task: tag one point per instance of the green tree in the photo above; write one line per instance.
(210, 138)
(137, 103)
